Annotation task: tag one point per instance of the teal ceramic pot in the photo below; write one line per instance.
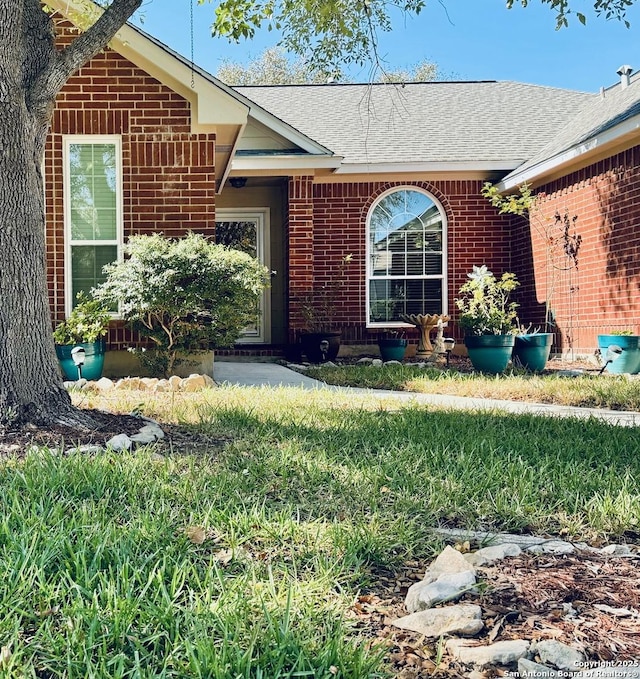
(93, 362)
(320, 347)
(532, 350)
(490, 353)
(629, 359)
(393, 348)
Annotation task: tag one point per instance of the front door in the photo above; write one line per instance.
(248, 231)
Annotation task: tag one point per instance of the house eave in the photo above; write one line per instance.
(283, 163)
(430, 167)
(574, 158)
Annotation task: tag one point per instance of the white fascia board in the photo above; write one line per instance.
(599, 142)
(431, 166)
(284, 162)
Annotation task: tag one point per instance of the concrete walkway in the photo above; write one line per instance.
(253, 374)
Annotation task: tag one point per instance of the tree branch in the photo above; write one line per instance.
(86, 45)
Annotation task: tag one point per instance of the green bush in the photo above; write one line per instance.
(86, 324)
(184, 294)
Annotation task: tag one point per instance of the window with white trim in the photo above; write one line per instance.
(406, 257)
(93, 210)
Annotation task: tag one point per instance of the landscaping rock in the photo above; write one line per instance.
(377, 362)
(392, 363)
(617, 550)
(559, 655)
(450, 560)
(88, 449)
(447, 587)
(488, 555)
(552, 547)
(365, 360)
(501, 653)
(465, 620)
(153, 429)
(175, 382)
(486, 538)
(193, 383)
(104, 384)
(615, 612)
(143, 439)
(119, 443)
(527, 669)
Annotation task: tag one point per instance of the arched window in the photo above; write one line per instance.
(406, 257)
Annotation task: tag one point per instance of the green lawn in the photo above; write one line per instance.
(618, 392)
(242, 556)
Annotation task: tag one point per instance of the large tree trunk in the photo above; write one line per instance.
(31, 74)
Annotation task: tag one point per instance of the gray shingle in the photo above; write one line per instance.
(599, 114)
(425, 122)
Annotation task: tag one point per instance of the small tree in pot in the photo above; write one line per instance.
(85, 327)
(488, 318)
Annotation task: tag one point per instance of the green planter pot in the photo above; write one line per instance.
(93, 362)
(392, 348)
(320, 347)
(490, 353)
(629, 359)
(532, 350)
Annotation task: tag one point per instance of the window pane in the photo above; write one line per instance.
(92, 177)
(405, 246)
(239, 236)
(86, 266)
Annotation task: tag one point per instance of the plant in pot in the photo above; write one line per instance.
(320, 339)
(392, 345)
(488, 318)
(620, 351)
(532, 348)
(79, 339)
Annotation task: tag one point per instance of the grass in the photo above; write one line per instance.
(243, 557)
(617, 392)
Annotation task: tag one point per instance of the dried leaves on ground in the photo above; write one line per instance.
(585, 600)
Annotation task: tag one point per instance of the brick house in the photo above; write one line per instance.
(143, 141)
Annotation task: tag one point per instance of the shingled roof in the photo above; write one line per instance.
(470, 123)
(603, 120)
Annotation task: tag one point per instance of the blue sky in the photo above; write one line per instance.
(468, 39)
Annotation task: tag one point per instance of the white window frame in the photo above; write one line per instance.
(263, 250)
(369, 274)
(67, 141)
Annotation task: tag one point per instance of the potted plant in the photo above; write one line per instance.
(488, 318)
(320, 338)
(532, 348)
(392, 345)
(85, 328)
(621, 352)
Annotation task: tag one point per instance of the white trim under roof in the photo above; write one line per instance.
(284, 162)
(586, 148)
(431, 166)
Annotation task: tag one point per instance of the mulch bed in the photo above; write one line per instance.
(531, 597)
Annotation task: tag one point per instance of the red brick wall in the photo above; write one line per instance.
(476, 235)
(602, 293)
(168, 173)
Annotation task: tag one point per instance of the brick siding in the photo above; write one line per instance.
(168, 173)
(476, 234)
(602, 293)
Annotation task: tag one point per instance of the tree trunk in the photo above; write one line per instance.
(32, 72)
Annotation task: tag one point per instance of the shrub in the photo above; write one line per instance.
(484, 303)
(86, 324)
(184, 294)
